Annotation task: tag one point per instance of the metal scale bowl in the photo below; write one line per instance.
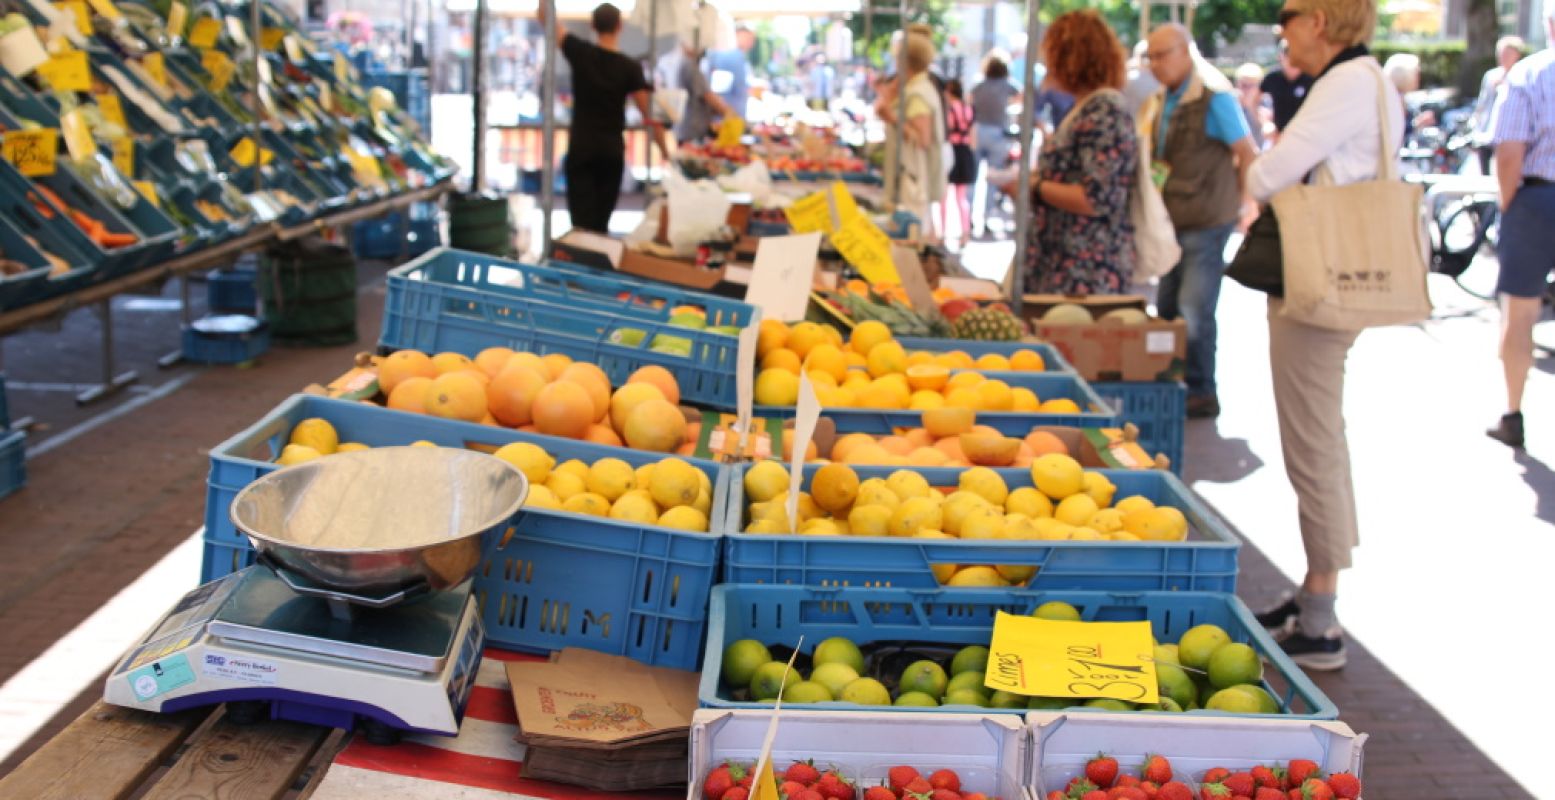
(360, 611)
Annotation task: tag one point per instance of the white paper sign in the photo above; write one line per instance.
(744, 383)
(806, 413)
(910, 269)
(782, 275)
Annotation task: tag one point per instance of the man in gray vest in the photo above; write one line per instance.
(1201, 149)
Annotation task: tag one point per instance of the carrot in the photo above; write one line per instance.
(111, 240)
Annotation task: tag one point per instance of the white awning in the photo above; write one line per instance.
(739, 9)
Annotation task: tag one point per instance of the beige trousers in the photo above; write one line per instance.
(1307, 363)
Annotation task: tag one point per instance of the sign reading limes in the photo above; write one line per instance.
(730, 131)
(33, 152)
(1050, 658)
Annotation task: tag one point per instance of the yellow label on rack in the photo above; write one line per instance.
(294, 49)
(77, 10)
(1049, 658)
(113, 111)
(106, 8)
(124, 156)
(177, 18)
(846, 205)
(155, 67)
(78, 137)
(148, 189)
(67, 72)
(326, 98)
(342, 69)
(219, 66)
(205, 32)
(867, 248)
(809, 213)
(364, 166)
(237, 32)
(243, 153)
(730, 131)
(271, 38)
(33, 152)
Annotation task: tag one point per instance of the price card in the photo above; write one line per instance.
(271, 38)
(293, 49)
(243, 153)
(112, 110)
(1048, 658)
(124, 156)
(219, 66)
(867, 248)
(765, 785)
(147, 189)
(106, 8)
(78, 137)
(782, 275)
(205, 32)
(33, 152)
(810, 213)
(730, 131)
(177, 18)
(76, 9)
(237, 32)
(364, 166)
(67, 72)
(744, 383)
(910, 267)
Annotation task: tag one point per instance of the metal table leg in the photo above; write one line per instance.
(187, 317)
(111, 383)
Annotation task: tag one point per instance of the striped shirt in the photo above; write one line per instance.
(1525, 112)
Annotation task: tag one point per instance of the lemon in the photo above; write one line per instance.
(611, 478)
(1132, 503)
(808, 508)
(777, 387)
(1099, 488)
(870, 520)
(541, 496)
(877, 492)
(351, 447)
(704, 502)
(764, 480)
(834, 487)
(297, 454)
(1021, 527)
(914, 514)
(317, 434)
(575, 467)
(1076, 509)
(684, 518)
(867, 334)
(985, 483)
(958, 506)
(1014, 573)
(1107, 520)
(565, 485)
(1160, 524)
(886, 358)
(643, 475)
(587, 503)
(635, 506)
(530, 459)
(983, 523)
(907, 484)
(1030, 502)
(976, 576)
(765, 526)
(423, 443)
(821, 527)
(675, 483)
(1085, 535)
(1052, 530)
(1057, 475)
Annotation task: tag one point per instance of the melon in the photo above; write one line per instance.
(1126, 316)
(1067, 314)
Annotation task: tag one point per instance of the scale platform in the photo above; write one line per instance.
(249, 638)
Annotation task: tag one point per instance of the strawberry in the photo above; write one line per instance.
(1268, 793)
(1094, 794)
(1174, 790)
(917, 786)
(718, 781)
(1102, 770)
(1265, 777)
(1079, 786)
(1151, 789)
(879, 793)
(1316, 789)
(1126, 793)
(1213, 791)
(833, 786)
(945, 779)
(802, 772)
(1345, 785)
(899, 777)
(737, 793)
(976, 796)
(1215, 775)
(1297, 772)
(1240, 783)
(747, 781)
(1157, 769)
(1053, 795)
(808, 794)
(1127, 780)
(944, 794)
(791, 788)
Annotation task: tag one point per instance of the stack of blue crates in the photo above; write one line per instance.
(386, 237)
(410, 90)
(13, 450)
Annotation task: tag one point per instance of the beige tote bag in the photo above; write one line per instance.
(1355, 256)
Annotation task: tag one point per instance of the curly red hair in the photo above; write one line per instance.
(1083, 54)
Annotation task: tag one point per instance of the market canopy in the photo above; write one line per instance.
(739, 9)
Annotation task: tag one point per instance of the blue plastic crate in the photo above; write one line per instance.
(13, 462)
(1158, 409)
(231, 289)
(1094, 413)
(383, 238)
(221, 559)
(1053, 360)
(203, 347)
(5, 409)
(562, 580)
(960, 617)
(1207, 561)
(453, 300)
(24, 287)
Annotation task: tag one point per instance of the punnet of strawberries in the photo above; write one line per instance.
(1154, 779)
(803, 780)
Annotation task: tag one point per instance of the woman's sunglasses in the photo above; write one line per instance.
(1288, 14)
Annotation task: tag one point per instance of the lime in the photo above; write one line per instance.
(1057, 610)
(834, 676)
(916, 699)
(1048, 703)
(1168, 704)
(1266, 702)
(965, 680)
(741, 660)
(1166, 653)
(1109, 704)
(1175, 683)
(767, 682)
(1199, 643)
(970, 659)
(866, 692)
(1234, 663)
(926, 677)
(1234, 700)
(807, 692)
(840, 650)
(1006, 700)
(966, 697)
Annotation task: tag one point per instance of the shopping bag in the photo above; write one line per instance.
(697, 209)
(1156, 250)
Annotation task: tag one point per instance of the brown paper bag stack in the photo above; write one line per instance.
(603, 722)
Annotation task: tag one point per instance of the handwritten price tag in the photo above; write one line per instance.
(810, 213)
(205, 31)
(867, 248)
(67, 72)
(1047, 658)
(219, 66)
(124, 156)
(32, 152)
(730, 131)
(77, 10)
(113, 111)
(271, 38)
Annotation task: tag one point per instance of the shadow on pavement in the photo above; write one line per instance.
(1541, 479)
(1216, 459)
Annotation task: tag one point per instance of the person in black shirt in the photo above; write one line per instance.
(1287, 87)
(602, 81)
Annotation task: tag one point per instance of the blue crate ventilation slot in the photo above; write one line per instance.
(464, 302)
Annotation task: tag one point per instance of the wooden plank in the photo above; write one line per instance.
(332, 746)
(107, 752)
(238, 762)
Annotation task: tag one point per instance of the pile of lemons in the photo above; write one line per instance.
(670, 493)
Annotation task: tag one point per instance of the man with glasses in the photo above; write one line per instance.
(1201, 149)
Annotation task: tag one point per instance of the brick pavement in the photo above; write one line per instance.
(63, 554)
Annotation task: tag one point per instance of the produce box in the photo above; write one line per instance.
(1205, 561)
(559, 580)
(450, 300)
(1062, 743)
(1156, 350)
(896, 627)
(606, 254)
(988, 753)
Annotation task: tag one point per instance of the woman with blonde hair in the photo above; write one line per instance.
(921, 132)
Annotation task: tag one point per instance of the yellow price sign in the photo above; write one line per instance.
(293, 49)
(243, 152)
(148, 190)
(177, 18)
(342, 70)
(77, 10)
(205, 32)
(78, 137)
(67, 72)
(810, 213)
(106, 8)
(867, 248)
(155, 67)
(271, 38)
(33, 152)
(1050, 658)
(846, 205)
(113, 111)
(730, 131)
(124, 156)
(219, 66)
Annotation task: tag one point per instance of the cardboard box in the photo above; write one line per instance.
(1110, 351)
(603, 252)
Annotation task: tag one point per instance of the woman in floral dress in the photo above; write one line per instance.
(1081, 240)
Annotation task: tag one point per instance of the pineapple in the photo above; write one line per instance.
(988, 325)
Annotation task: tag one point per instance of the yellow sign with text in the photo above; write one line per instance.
(205, 32)
(67, 72)
(124, 156)
(810, 213)
(1049, 658)
(33, 152)
(271, 38)
(730, 131)
(76, 9)
(156, 68)
(112, 110)
(862, 244)
(78, 137)
(219, 66)
(243, 153)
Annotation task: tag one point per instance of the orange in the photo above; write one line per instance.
(411, 394)
(993, 362)
(803, 337)
(989, 451)
(1027, 361)
(772, 335)
(918, 437)
(927, 376)
(955, 359)
(985, 430)
(923, 399)
(810, 453)
(995, 395)
(456, 395)
(1023, 399)
(782, 358)
(511, 395)
(895, 445)
(445, 363)
(927, 457)
(844, 445)
(401, 365)
(627, 397)
(563, 408)
(881, 395)
(855, 361)
(656, 425)
(887, 358)
(964, 398)
(917, 357)
(949, 421)
(555, 363)
(867, 334)
(660, 377)
(593, 379)
(821, 380)
(492, 360)
(951, 447)
(828, 359)
(529, 360)
(866, 454)
(601, 434)
(1042, 443)
(1059, 405)
(964, 379)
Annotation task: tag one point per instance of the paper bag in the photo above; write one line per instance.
(697, 209)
